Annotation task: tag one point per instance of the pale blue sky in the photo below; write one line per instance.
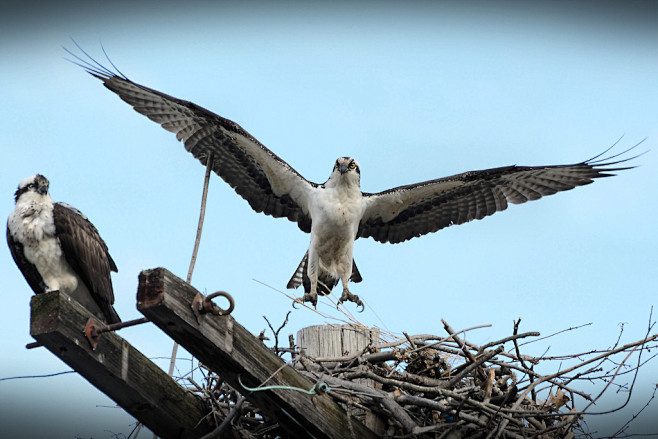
(414, 91)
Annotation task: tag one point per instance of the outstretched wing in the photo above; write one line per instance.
(406, 212)
(258, 175)
(87, 254)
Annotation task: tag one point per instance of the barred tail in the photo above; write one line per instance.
(326, 282)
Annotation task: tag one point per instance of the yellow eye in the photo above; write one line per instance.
(352, 165)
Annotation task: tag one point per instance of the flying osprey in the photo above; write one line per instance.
(57, 248)
(336, 212)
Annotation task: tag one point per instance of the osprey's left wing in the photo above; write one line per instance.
(406, 212)
(87, 254)
(267, 182)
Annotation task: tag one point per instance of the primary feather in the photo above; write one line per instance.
(337, 212)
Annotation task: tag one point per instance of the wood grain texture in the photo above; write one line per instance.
(117, 369)
(228, 349)
(327, 341)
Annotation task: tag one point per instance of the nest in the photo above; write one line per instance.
(431, 386)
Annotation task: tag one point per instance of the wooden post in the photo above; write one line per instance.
(117, 369)
(333, 341)
(235, 354)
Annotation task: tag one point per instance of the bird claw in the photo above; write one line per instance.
(347, 296)
(313, 298)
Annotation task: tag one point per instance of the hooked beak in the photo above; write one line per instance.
(342, 169)
(43, 190)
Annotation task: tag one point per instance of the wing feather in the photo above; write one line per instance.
(29, 270)
(258, 175)
(406, 212)
(87, 254)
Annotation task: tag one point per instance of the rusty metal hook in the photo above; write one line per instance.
(204, 305)
(210, 307)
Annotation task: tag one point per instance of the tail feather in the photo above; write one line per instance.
(298, 277)
(326, 282)
(356, 276)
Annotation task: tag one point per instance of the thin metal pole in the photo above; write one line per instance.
(108, 328)
(121, 325)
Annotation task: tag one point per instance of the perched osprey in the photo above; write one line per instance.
(337, 212)
(58, 249)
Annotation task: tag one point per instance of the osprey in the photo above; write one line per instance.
(58, 249)
(337, 212)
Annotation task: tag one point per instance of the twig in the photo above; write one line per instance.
(398, 413)
(462, 345)
(518, 355)
(557, 374)
(276, 332)
(510, 338)
(217, 432)
(416, 392)
(484, 357)
(557, 333)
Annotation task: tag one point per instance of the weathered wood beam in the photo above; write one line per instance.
(117, 369)
(231, 351)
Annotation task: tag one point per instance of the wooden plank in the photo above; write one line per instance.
(117, 369)
(231, 351)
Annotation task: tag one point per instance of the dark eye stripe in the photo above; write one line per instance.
(19, 192)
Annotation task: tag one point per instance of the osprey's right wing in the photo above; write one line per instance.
(29, 270)
(258, 175)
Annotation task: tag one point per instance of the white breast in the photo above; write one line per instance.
(336, 209)
(335, 214)
(32, 225)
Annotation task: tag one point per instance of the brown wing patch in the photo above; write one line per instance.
(29, 270)
(87, 254)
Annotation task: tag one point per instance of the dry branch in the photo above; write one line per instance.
(431, 386)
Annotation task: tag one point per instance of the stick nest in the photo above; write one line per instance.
(431, 386)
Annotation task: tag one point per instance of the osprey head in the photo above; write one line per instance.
(35, 186)
(346, 171)
(346, 164)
